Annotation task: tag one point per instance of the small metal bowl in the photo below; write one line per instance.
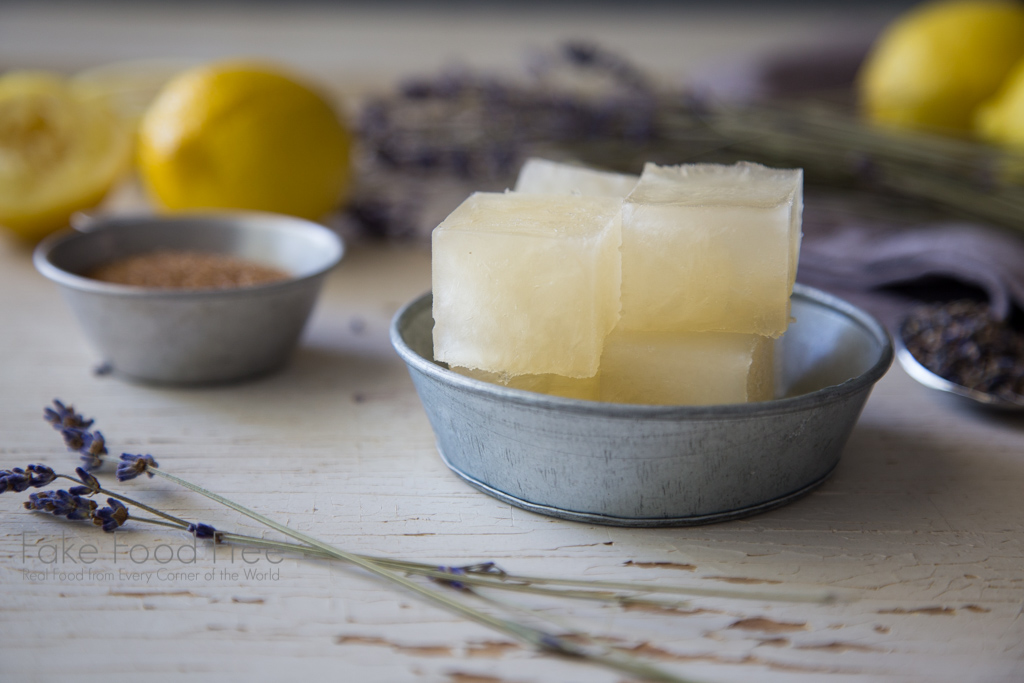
(646, 466)
(176, 336)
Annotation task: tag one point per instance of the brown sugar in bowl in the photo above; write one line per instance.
(193, 336)
(182, 269)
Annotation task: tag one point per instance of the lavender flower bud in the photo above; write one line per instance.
(15, 480)
(94, 447)
(41, 475)
(52, 416)
(74, 439)
(110, 518)
(80, 508)
(61, 503)
(91, 445)
(204, 531)
(40, 501)
(457, 585)
(91, 482)
(132, 466)
(61, 417)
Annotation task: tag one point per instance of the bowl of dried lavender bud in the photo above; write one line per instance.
(962, 348)
(192, 298)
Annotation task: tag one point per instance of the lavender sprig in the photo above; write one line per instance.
(591, 105)
(480, 575)
(77, 508)
(75, 504)
(132, 466)
(71, 504)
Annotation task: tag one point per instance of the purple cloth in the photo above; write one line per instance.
(859, 255)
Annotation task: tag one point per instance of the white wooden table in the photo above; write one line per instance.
(922, 523)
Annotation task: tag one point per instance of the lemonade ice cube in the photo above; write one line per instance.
(686, 368)
(707, 247)
(586, 388)
(540, 176)
(526, 284)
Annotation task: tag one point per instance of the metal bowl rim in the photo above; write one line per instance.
(249, 220)
(792, 404)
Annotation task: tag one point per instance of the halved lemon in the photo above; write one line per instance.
(60, 152)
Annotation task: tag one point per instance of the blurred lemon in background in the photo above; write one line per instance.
(246, 136)
(1001, 119)
(934, 65)
(60, 152)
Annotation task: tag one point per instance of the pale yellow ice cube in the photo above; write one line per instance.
(540, 176)
(526, 284)
(686, 368)
(707, 247)
(586, 388)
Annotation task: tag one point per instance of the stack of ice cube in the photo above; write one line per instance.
(663, 289)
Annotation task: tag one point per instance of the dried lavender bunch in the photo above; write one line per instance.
(586, 103)
(492, 120)
(77, 507)
(836, 149)
(427, 146)
(131, 466)
(75, 504)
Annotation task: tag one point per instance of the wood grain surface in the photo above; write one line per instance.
(922, 527)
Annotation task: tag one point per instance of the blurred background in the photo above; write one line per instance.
(441, 99)
(379, 118)
(365, 41)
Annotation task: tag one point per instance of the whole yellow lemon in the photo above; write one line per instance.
(934, 65)
(1001, 119)
(244, 136)
(60, 152)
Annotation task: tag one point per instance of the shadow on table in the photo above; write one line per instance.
(895, 482)
(314, 384)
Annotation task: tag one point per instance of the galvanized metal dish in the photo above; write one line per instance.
(645, 466)
(179, 336)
